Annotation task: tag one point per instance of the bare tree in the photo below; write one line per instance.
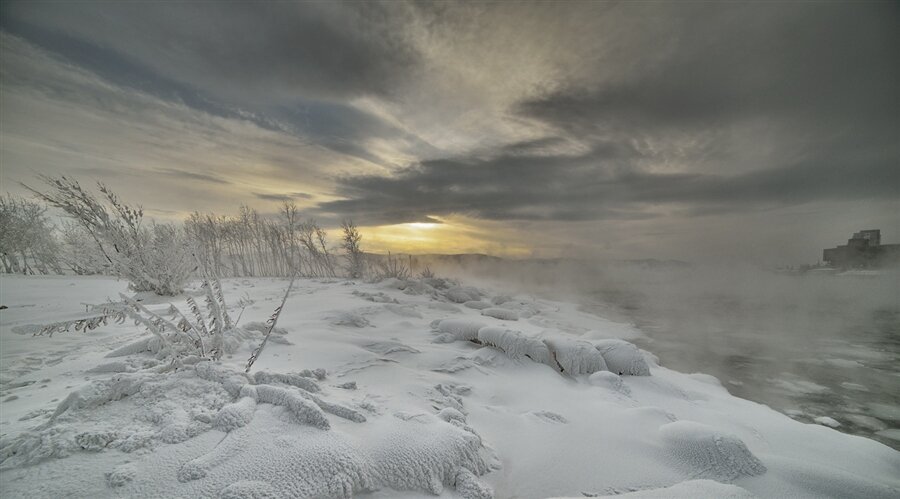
(354, 255)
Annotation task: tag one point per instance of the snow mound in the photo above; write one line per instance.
(378, 297)
(417, 453)
(235, 415)
(349, 319)
(300, 380)
(120, 475)
(501, 299)
(704, 452)
(515, 344)
(127, 412)
(575, 356)
(503, 314)
(462, 294)
(137, 410)
(622, 357)
(461, 329)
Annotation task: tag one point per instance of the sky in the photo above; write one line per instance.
(756, 132)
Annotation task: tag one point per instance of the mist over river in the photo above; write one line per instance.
(807, 345)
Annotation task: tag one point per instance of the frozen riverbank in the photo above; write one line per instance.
(415, 395)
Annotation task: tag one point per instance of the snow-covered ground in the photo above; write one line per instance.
(391, 389)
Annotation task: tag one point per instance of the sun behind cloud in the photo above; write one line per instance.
(447, 235)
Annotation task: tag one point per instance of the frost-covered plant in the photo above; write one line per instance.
(78, 251)
(270, 325)
(152, 258)
(117, 314)
(27, 243)
(426, 273)
(354, 255)
(392, 267)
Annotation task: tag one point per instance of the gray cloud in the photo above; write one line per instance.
(282, 197)
(285, 66)
(597, 185)
(755, 105)
(189, 175)
(241, 50)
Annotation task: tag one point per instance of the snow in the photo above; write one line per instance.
(388, 392)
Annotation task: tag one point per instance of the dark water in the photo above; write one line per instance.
(806, 345)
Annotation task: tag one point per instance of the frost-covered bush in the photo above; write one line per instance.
(27, 244)
(208, 333)
(153, 258)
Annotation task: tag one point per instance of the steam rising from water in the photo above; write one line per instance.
(808, 344)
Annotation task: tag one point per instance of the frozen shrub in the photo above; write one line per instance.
(152, 258)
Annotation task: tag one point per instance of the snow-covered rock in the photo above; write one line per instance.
(461, 329)
(573, 356)
(622, 357)
(503, 314)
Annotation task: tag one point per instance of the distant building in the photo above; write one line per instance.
(863, 250)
